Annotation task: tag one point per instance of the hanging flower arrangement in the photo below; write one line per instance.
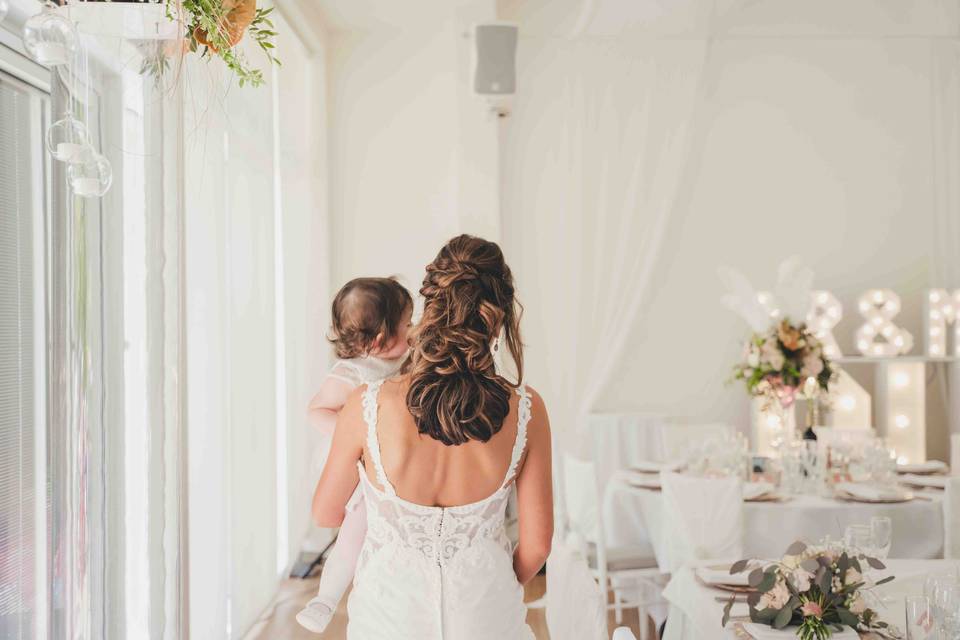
(217, 26)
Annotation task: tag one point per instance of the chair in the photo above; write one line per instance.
(623, 633)
(677, 440)
(951, 519)
(621, 569)
(576, 607)
(703, 519)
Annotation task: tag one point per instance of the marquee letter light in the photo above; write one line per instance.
(943, 308)
(879, 336)
(825, 313)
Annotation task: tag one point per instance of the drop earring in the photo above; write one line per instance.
(496, 344)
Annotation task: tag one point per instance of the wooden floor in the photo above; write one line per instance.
(278, 623)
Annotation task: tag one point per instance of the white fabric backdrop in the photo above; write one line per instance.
(591, 170)
(810, 135)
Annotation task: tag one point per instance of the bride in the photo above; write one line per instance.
(437, 451)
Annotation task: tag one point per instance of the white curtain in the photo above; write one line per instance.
(945, 258)
(593, 158)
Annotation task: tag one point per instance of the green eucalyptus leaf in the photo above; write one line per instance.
(796, 548)
(738, 566)
(783, 618)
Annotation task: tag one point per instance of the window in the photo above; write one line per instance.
(22, 415)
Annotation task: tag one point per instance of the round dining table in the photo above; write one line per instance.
(633, 518)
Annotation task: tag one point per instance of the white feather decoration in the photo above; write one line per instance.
(742, 299)
(792, 293)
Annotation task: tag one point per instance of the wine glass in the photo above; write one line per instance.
(947, 609)
(881, 528)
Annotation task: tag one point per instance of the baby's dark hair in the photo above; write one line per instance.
(363, 309)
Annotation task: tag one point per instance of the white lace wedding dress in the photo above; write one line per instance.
(436, 573)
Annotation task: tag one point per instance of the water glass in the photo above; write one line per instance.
(881, 528)
(858, 538)
(946, 609)
(919, 619)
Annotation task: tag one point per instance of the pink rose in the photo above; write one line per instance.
(811, 608)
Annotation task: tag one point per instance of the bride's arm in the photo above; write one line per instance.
(340, 478)
(535, 496)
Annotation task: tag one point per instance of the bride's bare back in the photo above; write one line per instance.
(428, 472)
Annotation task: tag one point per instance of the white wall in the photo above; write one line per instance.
(412, 154)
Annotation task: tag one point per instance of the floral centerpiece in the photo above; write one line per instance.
(779, 361)
(783, 357)
(818, 589)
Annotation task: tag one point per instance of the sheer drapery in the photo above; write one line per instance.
(945, 258)
(592, 159)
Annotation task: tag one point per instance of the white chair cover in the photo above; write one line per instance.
(583, 497)
(676, 439)
(623, 633)
(703, 519)
(576, 608)
(951, 518)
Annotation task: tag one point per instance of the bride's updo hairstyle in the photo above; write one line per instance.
(455, 392)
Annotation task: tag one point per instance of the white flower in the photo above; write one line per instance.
(857, 605)
(775, 598)
(753, 357)
(770, 354)
(801, 579)
(853, 576)
(812, 366)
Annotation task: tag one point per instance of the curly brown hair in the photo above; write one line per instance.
(363, 309)
(455, 393)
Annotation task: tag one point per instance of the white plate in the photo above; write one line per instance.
(863, 492)
(930, 466)
(642, 480)
(720, 575)
(932, 482)
(757, 490)
(655, 467)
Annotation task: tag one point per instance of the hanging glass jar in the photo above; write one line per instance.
(67, 138)
(50, 37)
(4, 8)
(90, 174)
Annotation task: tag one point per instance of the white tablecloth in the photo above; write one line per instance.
(633, 517)
(695, 613)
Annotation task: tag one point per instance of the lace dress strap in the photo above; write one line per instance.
(373, 444)
(523, 417)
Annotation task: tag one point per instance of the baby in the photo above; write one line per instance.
(371, 319)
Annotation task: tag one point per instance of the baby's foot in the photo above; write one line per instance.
(315, 616)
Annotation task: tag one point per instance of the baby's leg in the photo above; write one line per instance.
(340, 565)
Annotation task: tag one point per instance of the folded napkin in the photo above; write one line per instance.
(936, 482)
(721, 575)
(930, 466)
(872, 491)
(763, 632)
(754, 490)
(656, 467)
